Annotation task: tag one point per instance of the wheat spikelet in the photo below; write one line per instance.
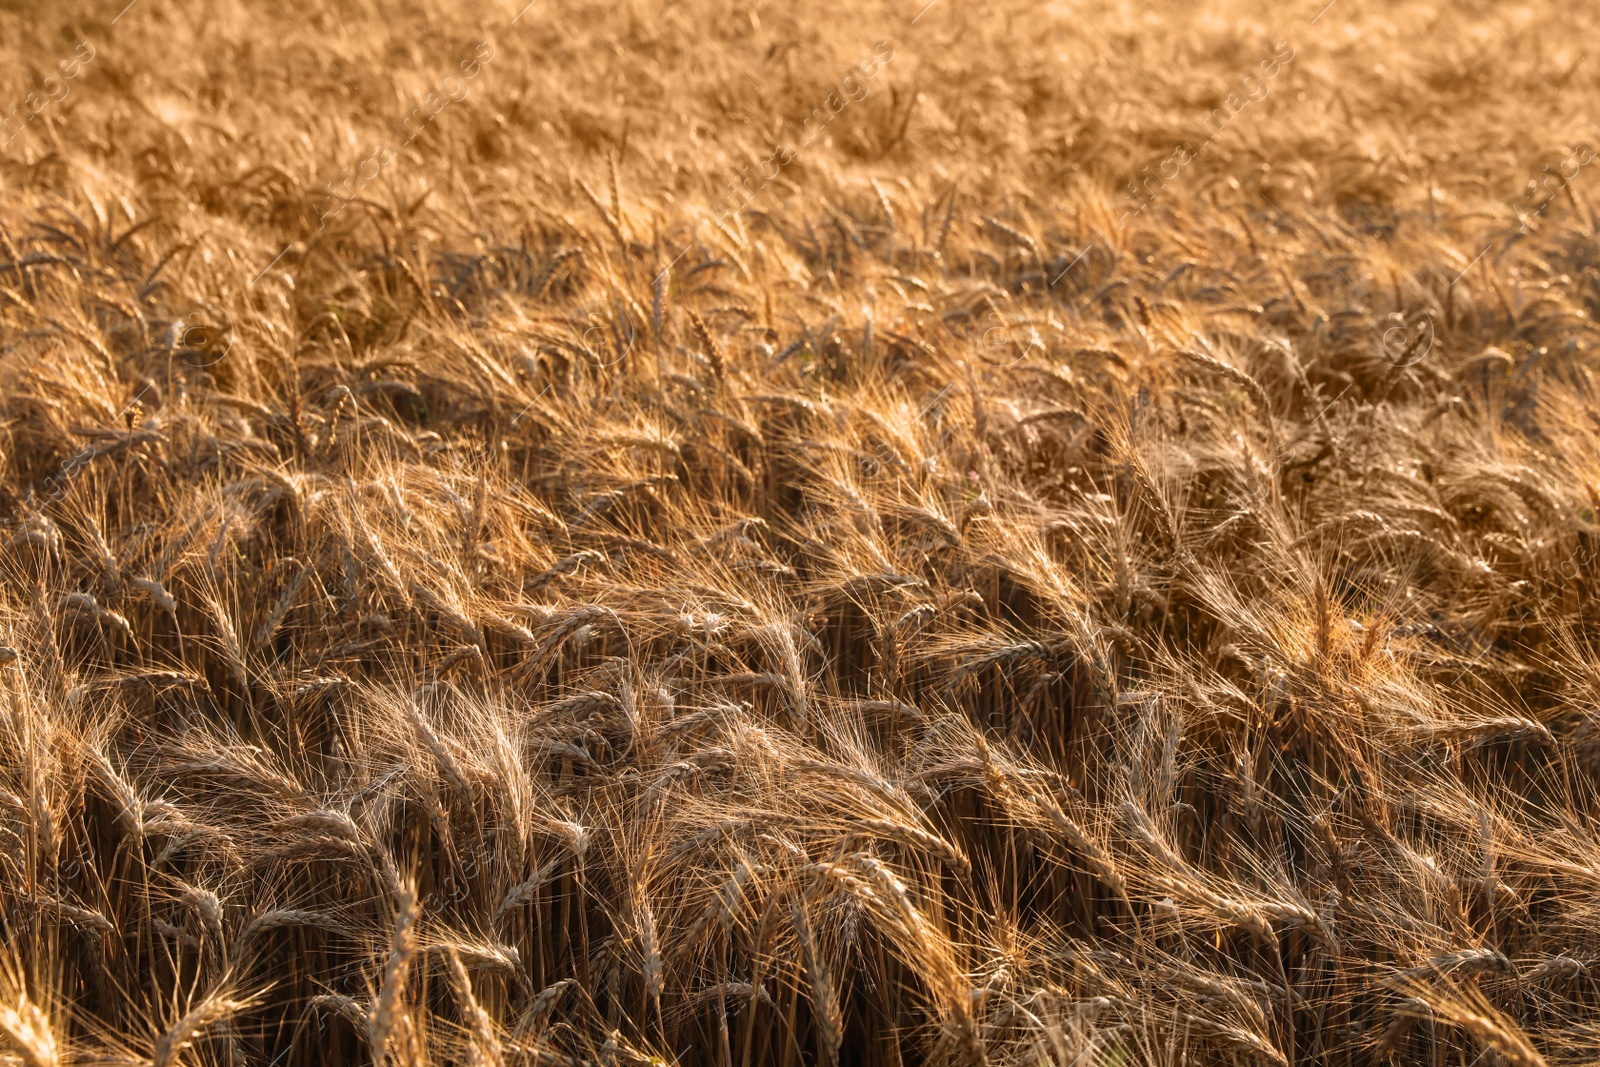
(274, 619)
(543, 1004)
(649, 949)
(824, 999)
(1251, 387)
(28, 1028)
(1263, 1049)
(387, 1020)
(485, 1043)
(130, 809)
(1468, 1009)
(708, 345)
(281, 917)
(1558, 967)
(441, 754)
(212, 1011)
(658, 300)
(1227, 992)
(1464, 962)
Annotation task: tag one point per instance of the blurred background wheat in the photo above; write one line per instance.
(851, 534)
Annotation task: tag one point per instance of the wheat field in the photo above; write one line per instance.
(718, 533)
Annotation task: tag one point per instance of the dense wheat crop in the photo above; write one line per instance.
(749, 533)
